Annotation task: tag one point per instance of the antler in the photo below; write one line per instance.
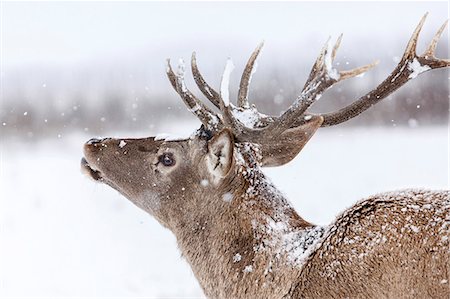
(247, 77)
(410, 66)
(248, 125)
(245, 120)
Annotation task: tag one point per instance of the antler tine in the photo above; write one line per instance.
(357, 71)
(225, 82)
(430, 53)
(171, 75)
(224, 99)
(212, 95)
(204, 114)
(409, 67)
(336, 47)
(410, 51)
(247, 76)
(318, 64)
(432, 46)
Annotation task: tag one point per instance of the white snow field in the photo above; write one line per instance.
(62, 235)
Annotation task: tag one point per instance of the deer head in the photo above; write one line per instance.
(167, 178)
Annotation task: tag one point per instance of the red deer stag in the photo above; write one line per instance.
(241, 237)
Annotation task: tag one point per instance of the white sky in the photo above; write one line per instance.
(69, 33)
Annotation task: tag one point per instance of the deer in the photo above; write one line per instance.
(240, 235)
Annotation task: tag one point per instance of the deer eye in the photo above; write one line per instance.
(167, 159)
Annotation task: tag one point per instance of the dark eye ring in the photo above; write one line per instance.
(167, 159)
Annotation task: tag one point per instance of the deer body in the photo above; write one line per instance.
(241, 236)
(392, 245)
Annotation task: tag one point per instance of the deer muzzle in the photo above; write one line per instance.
(91, 155)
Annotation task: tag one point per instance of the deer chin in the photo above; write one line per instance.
(89, 171)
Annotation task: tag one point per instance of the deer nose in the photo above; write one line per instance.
(97, 141)
(96, 144)
(94, 141)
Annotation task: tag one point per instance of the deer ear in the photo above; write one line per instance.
(286, 147)
(220, 155)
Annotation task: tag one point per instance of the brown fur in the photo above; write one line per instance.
(391, 245)
(243, 239)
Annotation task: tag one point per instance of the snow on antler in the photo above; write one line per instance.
(225, 83)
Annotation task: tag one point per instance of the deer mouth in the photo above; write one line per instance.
(89, 171)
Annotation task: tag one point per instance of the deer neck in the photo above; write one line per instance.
(254, 238)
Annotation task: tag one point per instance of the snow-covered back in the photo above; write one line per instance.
(408, 208)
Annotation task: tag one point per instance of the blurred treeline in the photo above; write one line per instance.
(41, 103)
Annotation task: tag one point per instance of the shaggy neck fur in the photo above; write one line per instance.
(253, 241)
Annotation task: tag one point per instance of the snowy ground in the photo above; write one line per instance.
(63, 235)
